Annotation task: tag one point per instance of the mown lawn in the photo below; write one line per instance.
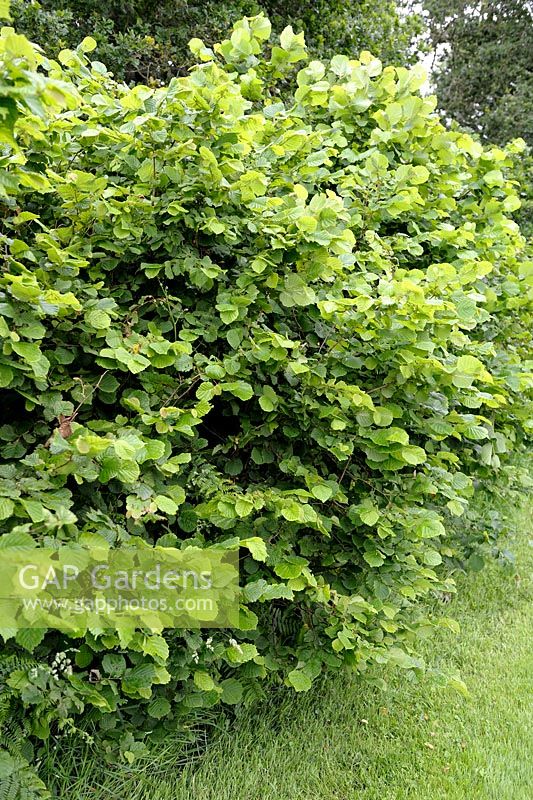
(346, 741)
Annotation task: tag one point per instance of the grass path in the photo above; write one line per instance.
(345, 741)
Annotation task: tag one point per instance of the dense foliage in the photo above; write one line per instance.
(143, 41)
(297, 324)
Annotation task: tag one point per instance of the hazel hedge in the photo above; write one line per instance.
(295, 326)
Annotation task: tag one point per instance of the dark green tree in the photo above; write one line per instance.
(484, 74)
(146, 41)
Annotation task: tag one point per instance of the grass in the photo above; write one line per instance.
(346, 741)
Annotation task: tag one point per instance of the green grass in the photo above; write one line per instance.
(346, 741)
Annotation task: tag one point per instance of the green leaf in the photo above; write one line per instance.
(374, 558)
(413, 455)
(98, 319)
(28, 351)
(6, 375)
(470, 365)
(456, 507)
(203, 681)
(156, 646)
(30, 638)
(322, 492)
(159, 707)
(234, 338)
(432, 558)
(268, 400)
(7, 507)
(243, 507)
(165, 504)
(240, 389)
(290, 567)
(125, 450)
(388, 435)
(299, 680)
(296, 292)
(114, 664)
(154, 449)
(241, 652)
(84, 656)
(234, 466)
(369, 514)
(494, 178)
(256, 546)
(88, 44)
(232, 691)
(429, 528)
(476, 432)
(127, 471)
(382, 416)
(17, 538)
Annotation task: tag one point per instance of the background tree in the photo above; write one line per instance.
(484, 79)
(146, 41)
